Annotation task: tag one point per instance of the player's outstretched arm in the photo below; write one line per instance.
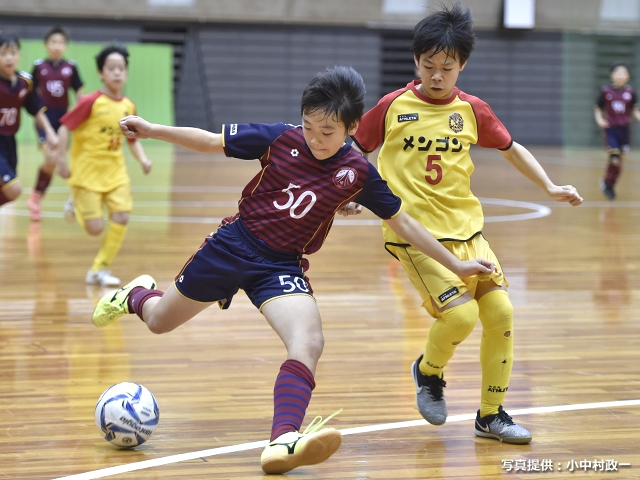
(138, 152)
(63, 166)
(600, 120)
(525, 163)
(43, 122)
(191, 138)
(414, 232)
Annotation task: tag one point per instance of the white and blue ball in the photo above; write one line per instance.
(127, 414)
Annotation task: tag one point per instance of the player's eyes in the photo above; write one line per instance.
(447, 69)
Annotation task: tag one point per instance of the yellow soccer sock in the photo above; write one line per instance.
(496, 349)
(451, 328)
(110, 246)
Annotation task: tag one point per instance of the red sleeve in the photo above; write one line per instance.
(370, 133)
(491, 132)
(80, 112)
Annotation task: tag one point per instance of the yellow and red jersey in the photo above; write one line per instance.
(425, 156)
(97, 160)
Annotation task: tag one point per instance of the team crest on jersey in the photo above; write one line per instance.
(344, 177)
(66, 71)
(22, 93)
(456, 122)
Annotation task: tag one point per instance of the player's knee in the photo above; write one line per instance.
(93, 229)
(121, 218)
(496, 311)
(615, 159)
(461, 320)
(315, 344)
(12, 191)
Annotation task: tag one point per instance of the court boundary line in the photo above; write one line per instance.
(537, 211)
(182, 457)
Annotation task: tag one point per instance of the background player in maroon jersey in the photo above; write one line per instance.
(614, 112)
(308, 172)
(52, 79)
(16, 91)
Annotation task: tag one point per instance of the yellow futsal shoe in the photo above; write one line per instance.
(294, 449)
(114, 304)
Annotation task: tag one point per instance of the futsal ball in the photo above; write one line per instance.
(127, 414)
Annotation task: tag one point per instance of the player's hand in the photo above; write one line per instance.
(52, 142)
(350, 208)
(566, 193)
(146, 165)
(135, 127)
(478, 266)
(603, 123)
(63, 170)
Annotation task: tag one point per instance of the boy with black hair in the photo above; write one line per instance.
(98, 175)
(16, 91)
(614, 111)
(426, 130)
(52, 79)
(308, 172)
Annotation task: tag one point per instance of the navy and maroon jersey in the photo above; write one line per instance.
(13, 98)
(52, 82)
(617, 104)
(290, 204)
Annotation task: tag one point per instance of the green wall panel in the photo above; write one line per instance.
(149, 85)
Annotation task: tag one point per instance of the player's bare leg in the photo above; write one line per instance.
(297, 322)
(45, 173)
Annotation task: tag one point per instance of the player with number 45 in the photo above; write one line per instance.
(307, 174)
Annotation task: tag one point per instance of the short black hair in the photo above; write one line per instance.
(108, 50)
(8, 38)
(54, 31)
(449, 30)
(337, 91)
(619, 64)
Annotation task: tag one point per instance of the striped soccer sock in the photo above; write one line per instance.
(291, 396)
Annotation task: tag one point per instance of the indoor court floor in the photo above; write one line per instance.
(574, 281)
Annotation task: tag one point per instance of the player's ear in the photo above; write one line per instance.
(463, 65)
(416, 60)
(353, 129)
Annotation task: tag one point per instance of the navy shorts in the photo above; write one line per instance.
(233, 259)
(8, 159)
(618, 138)
(54, 115)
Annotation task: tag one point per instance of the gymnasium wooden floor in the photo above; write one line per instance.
(575, 285)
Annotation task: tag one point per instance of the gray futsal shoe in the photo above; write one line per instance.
(429, 395)
(501, 427)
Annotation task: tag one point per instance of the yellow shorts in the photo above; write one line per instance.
(88, 203)
(440, 285)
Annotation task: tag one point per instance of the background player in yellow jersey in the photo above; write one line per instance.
(426, 130)
(98, 174)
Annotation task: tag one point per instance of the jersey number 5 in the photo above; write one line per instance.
(431, 166)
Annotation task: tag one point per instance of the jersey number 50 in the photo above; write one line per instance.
(431, 166)
(292, 203)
